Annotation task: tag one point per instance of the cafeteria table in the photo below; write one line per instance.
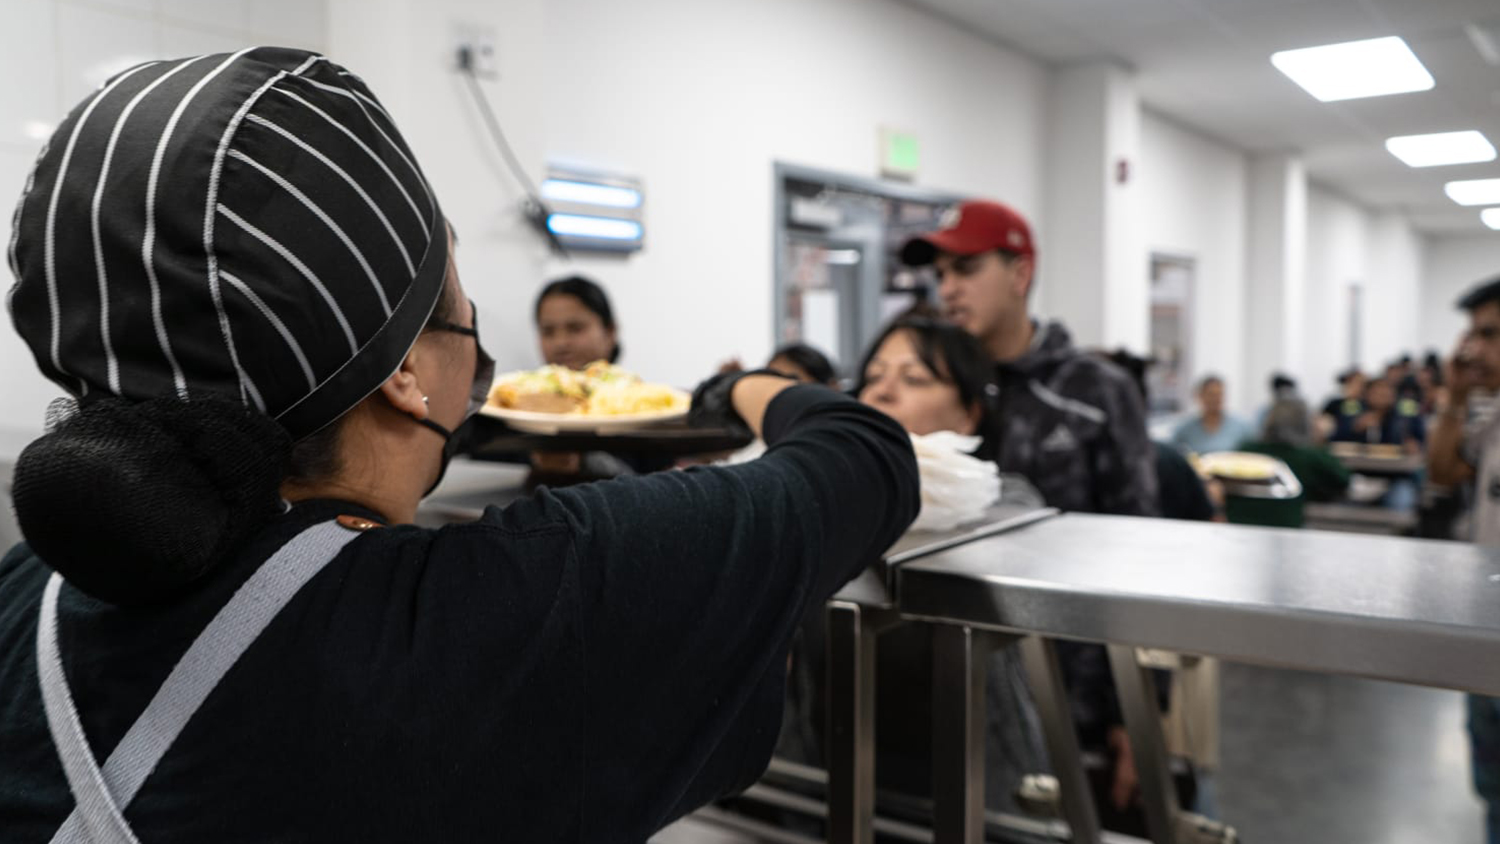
(1369, 464)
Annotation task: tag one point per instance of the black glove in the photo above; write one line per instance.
(713, 408)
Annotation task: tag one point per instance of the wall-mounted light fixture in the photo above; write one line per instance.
(594, 211)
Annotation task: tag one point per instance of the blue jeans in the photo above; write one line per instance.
(1207, 803)
(1403, 495)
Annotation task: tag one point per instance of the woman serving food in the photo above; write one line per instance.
(222, 625)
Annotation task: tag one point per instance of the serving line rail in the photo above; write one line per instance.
(1415, 611)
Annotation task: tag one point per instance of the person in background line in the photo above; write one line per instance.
(1212, 429)
(1339, 413)
(925, 375)
(1386, 421)
(1389, 422)
(1287, 436)
(1430, 375)
(1072, 424)
(804, 363)
(1466, 452)
(1432, 388)
(929, 376)
(1403, 367)
(1181, 492)
(1282, 386)
(575, 324)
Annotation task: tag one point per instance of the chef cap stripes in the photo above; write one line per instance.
(249, 225)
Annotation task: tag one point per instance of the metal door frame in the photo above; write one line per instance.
(873, 267)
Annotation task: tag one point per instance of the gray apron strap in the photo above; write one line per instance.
(102, 795)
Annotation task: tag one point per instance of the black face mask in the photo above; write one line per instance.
(479, 392)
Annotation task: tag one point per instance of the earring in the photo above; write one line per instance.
(424, 402)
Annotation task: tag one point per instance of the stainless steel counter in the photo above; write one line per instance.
(1416, 611)
(1412, 611)
(872, 589)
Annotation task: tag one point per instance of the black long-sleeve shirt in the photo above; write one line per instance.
(587, 664)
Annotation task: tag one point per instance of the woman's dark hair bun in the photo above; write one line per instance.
(133, 501)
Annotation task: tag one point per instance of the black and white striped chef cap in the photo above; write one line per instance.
(249, 225)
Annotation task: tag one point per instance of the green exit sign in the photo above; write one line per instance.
(899, 154)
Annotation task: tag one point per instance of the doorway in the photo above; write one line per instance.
(839, 277)
(1169, 378)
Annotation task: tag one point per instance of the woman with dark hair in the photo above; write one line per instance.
(575, 323)
(932, 376)
(222, 625)
(929, 376)
(804, 363)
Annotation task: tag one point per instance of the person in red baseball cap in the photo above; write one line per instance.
(1070, 422)
(986, 258)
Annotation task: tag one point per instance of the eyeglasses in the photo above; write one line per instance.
(484, 365)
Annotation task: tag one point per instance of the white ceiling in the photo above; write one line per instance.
(1206, 64)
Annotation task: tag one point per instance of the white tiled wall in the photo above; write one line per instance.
(54, 52)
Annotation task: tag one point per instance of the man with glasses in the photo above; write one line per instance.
(1464, 451)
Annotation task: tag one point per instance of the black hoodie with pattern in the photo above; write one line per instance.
(1075, 426)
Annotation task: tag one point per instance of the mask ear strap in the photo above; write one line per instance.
(428, 423)
(441, 431)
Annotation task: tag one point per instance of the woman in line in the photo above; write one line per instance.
(575, 324)
(804, 363)
(930, 376)
(222, 625)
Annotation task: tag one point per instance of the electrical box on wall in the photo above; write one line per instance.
(474, 48)
(596, 212)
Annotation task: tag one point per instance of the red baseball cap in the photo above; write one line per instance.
(971, 228)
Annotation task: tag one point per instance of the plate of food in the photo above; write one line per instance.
(601, 398)
(1242, 466)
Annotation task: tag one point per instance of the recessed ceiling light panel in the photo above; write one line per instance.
(1355, 69)
(1491, 218)
(1474, 192)
(1441, 148)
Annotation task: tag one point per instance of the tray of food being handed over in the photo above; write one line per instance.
(601, 398)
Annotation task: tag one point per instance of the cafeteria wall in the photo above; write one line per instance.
(1197, 202)
(699, 99)
(1194, 194)
(1454, 264)
(1350, 246)
(406, 50)
(54, 52)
